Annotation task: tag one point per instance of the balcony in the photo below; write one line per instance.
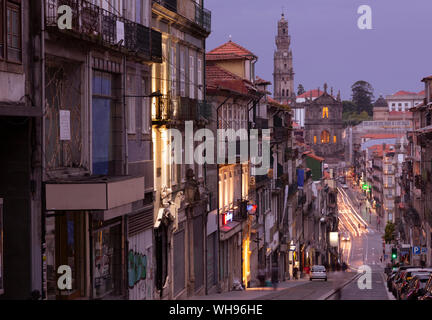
(190, 10)
(419, 183)
(180, 109)
(169, 4)
(261, 123)
(101, 27)
(280, 133)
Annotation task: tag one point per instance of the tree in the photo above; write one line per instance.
(389, 232)
(348, 106)
(362, 96)
(300, 89)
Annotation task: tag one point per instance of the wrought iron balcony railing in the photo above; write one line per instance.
(169, 4)
(191, 10)
(95, 24)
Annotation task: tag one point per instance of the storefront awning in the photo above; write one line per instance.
(230, 229)
(93, 193)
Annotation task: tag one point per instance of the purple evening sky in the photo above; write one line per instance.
(328, 46)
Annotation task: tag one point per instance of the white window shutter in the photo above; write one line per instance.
(200, 80)
(191, 77)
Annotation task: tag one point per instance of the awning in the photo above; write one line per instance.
(230, 229)
(424, 130)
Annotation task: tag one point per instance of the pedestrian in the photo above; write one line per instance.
(295, 273)
(261, 277)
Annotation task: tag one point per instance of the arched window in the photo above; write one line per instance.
(325, 137)
(283, 31)
(315, 139)
(325, 112)
(283, 92)
(334, 139)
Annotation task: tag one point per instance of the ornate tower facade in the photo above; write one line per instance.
(283, 76)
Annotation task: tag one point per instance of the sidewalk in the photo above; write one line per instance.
(252, 293)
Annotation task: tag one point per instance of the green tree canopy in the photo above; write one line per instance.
(362, 96)
(348, 106)
(300, 89)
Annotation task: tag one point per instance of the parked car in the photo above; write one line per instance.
(427, 290)
(345, 237)
(408, 274)
(390, 279)
(344, 186)
(318, 272)
(415, 287)
(399, 271)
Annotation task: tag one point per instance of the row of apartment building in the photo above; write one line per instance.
(392, 166)
(97, 171)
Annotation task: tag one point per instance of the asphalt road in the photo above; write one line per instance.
(363, 252)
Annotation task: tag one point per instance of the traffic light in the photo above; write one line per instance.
(394, 253)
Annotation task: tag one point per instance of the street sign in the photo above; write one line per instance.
(424, 250)
(416, 250)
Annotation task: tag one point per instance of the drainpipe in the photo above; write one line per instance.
(125, 150)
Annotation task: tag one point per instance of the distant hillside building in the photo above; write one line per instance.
(396, 107)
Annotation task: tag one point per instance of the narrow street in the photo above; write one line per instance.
(364, 248)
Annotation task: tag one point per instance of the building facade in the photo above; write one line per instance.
(180, 203)
(323, 126)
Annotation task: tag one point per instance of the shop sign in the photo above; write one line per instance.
(334, 239)
(227, 217)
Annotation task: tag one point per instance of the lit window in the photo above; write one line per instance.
(325, 113)
(334, 139)
(315, 139)
(325, 137)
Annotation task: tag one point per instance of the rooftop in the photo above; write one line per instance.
(229, 50)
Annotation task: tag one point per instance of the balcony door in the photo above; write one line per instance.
(102, 132)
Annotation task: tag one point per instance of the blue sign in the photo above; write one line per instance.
(424, 250)
(300, 177)
(416, 250)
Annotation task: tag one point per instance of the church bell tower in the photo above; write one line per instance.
(283, 76)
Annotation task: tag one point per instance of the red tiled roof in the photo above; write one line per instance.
(402, 93)
(275, 103)
(421, 93)
(381, 136)
(314, 94)
(227, 56)
(378, 149)
(400, 113)
(217, 77)
(259, 80)
(231, 49)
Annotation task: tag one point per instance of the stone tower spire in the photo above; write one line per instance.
(283, 76)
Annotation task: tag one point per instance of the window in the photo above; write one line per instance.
(173, 72)
(315, 139)
(182, 73)
(10, 30)
(325, 112)
(131, 105)
(145, 112)
(283, 92)
(191, 77)
(334, 139)
(200, 80)
(325, 137)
